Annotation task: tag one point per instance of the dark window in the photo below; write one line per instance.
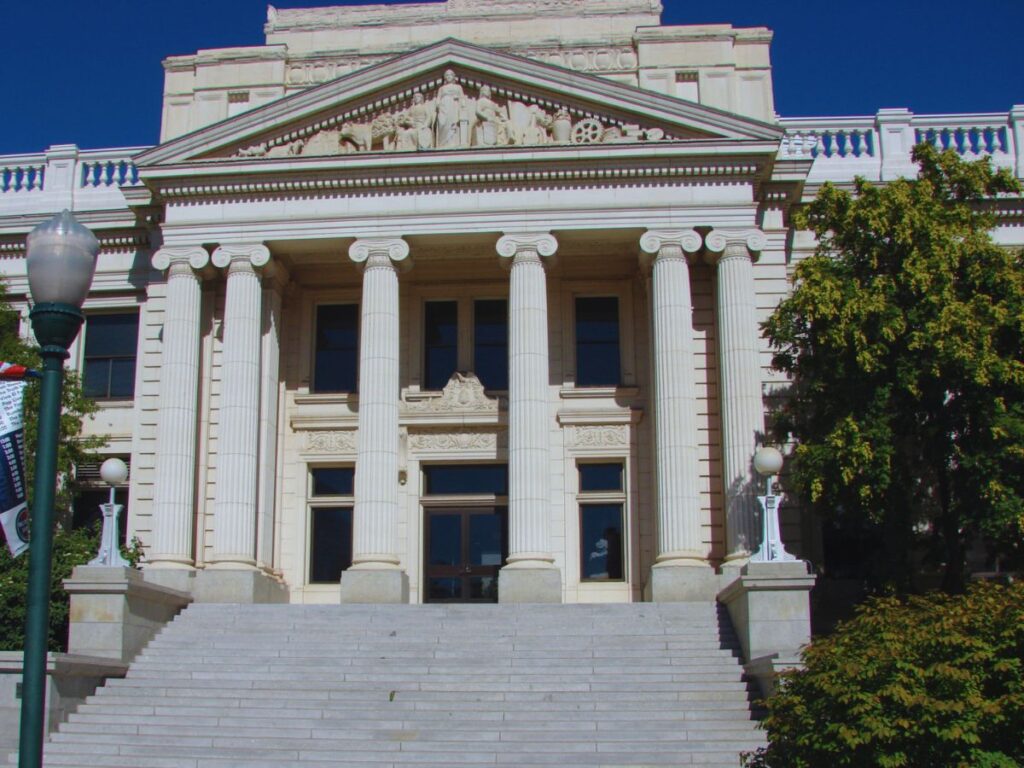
(601, 542)
(601, 477)
(466, 478)
(337, 348)
(490, 343)
(86, 512)
(330, 539)
(440, 343)
(597, 341)
(111, 343)
(330, 544)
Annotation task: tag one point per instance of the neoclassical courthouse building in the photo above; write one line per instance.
(456, 300)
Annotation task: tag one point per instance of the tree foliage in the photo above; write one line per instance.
(904, 339)
(926, 681)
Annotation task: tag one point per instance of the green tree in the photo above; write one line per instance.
(903, 338)
(927, 681)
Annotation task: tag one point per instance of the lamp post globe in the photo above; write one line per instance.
(60, 260)
(113, 471)
(768, 461)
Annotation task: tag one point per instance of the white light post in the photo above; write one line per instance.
(114, 472)
(768, 463)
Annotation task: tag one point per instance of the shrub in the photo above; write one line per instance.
(70, 548)
(935, 680)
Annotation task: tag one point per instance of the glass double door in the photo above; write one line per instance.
(465, 549)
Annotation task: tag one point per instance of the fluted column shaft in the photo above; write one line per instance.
(528, 422)
(375, 516)
(174, 491)
(680, 533)
(235, 499)
(740, 384)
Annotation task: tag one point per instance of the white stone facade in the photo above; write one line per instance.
(406, 159)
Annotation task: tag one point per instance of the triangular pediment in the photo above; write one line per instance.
(455, 96)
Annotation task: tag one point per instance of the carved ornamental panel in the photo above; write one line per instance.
(455, 114)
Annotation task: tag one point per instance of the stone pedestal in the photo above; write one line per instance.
(374, 585)
(237, 585)
(529, 585)
(770, 608)
(115, 612)
(673, 583)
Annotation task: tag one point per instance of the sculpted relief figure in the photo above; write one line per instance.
(416, 125)
(491, 127)
(451, 103)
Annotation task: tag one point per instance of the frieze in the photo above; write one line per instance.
(435, 440)
(598, 436)
(455, 114)
(462, 394)
(341, 441)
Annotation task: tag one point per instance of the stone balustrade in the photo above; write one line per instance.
(878, 147)
(65, 176)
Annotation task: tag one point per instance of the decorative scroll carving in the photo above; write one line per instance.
(342, 441)
(456, 115)
(453, 441)
(462, 394)
(598, 436)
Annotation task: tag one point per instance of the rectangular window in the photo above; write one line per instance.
(330, 520)
(336, 362)
(597, 342)
(111, 344)
(602, 501)
(490, 343)
(443, 479)
(440, 343)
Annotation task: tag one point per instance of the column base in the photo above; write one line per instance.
(223, 585)
(374, 585)
(181, 579)
(693, 583)
(529, 585)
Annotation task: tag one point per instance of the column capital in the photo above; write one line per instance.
(256, 254)
(512, 243)
(654, 240)
(393, 248)
(720, 240)
(194, 255)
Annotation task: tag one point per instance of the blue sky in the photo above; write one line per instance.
(88, 71)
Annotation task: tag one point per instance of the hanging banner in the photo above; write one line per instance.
(13, 504)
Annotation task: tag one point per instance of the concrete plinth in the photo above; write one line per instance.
(770, 608)
(529, 585)
(379, 585)
(683, 583)
(115, 612)
(228, 585)
(181, 579)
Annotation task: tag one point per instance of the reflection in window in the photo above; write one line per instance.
(440, 342)
(597, 341)
(330, 520)
(336, 360)
(602, 521)
(111, 343)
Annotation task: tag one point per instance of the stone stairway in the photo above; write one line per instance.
(275, 686)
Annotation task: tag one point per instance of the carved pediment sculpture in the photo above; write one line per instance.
(462, 394)
(452, 116)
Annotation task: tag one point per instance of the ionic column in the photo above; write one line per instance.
(376, 575)
(274, 283)
(530, 574)
(234, 524)
(174, 487)
(680, 534)
(740, 383)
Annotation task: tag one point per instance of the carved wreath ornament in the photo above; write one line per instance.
(453, 119)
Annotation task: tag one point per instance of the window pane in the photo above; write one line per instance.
(483, 588)
(109, 355)
(440, 342)
(601, 541)
(332, 481)
(600, 477)
(445, 589)
(490, 342)
(337, 348)
(487, 538)
(466, 478)
(445, 540)
(597, 341)
(330, 544)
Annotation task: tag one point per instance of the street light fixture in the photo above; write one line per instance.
(113, 472)
(768, 463)
(60, 259)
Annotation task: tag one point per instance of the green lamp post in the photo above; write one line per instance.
(61, 260)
